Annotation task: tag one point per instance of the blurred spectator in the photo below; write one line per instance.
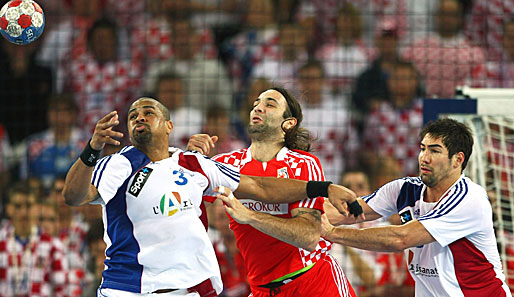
(392, 128)
(67, 39)
(205, 77)
(486, 23)
(97, 248)
(290, 52)
(52, 152)
(218, 123)
(346, 56)
(5, 158)
(72, 230)
(170, 91)
(99, 79)
(34, 263)
(257, 40)
(233, 271)
(444, 57)
(500, 73)
(328, 119)
(371, 86)
(25, 87)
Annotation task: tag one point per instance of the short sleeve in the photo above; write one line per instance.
(218, 174)
(458, 216)
(383, 200)
(109, 175)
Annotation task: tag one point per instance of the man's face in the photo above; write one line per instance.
(146, 122)
(267, 115)
(357, 182)
(434, 164)
(18, 210)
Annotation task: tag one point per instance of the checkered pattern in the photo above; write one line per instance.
(343, 64)
(151, 41)
(395, 133)
(335, 136)
(101, 88)
(447, 63)
(36, 269)
(485, 25)
(247, 49)
(500, 74)
(309, 258)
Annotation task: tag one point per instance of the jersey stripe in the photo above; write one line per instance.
(227, 171)
(99, 169)
(452, 201)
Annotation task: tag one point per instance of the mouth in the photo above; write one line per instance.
(140, 127)
(424, 170)
(256, 119)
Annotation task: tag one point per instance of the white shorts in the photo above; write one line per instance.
(119, 293)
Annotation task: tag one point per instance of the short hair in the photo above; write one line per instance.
(296, 137)
(160, 106)
(21, 187)
(65, 100)
(455, 136)
(101, 23)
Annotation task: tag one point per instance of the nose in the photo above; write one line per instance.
(258, 107)
(140, 118)
(424, 157)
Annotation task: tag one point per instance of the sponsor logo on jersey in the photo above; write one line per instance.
(423, 271)
(406, 216)
(139, 181)
(282, 173)
(270, 208)
(171, 204)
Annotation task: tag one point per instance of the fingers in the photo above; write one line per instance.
(104, 134)
(202, 143)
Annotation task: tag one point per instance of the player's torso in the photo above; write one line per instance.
(267, 258)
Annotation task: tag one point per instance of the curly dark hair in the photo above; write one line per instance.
(296, 137)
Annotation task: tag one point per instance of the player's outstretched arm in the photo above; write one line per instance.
(285, 190)
(336, 218)
(381, 239)
(302, 230)
(77, 187)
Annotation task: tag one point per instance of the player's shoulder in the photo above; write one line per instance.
(295, 154)
(127, 156)
(231, 157)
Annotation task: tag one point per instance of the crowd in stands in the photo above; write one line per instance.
(360, 69)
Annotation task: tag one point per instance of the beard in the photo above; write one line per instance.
(142, 138)
(260, 132)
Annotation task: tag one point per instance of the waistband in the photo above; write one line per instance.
(287, 278)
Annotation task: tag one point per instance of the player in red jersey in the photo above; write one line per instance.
(280, 243)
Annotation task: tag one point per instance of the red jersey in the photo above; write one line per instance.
(267, 258)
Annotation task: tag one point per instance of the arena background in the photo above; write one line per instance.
(360, 69)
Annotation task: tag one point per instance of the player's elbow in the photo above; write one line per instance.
(311, 244)
(398, 244)
(71, 198)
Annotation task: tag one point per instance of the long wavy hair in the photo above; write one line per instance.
(295, 137)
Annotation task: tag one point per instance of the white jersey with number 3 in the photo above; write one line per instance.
(464, 259)
(155, 239)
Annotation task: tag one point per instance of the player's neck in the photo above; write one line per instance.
(435, 193)
(263, 151)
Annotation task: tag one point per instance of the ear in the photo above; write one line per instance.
(169, 127)
(458, 159)
(289, 123)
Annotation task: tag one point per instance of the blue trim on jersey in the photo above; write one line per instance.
(232, 174)
(123, 269)
(461, 190)
(103, 169)
(99, 167)
(409, 193)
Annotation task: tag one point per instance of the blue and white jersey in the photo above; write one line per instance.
(464, 259)
(155, 239)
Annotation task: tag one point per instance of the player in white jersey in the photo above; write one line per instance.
(447, 225)
(151, 198)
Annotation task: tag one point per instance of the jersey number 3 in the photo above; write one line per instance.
(182, 180)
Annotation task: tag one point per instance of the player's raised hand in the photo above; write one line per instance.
(202, 143)
(345, 201)
(233, 206)
(104, 134)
